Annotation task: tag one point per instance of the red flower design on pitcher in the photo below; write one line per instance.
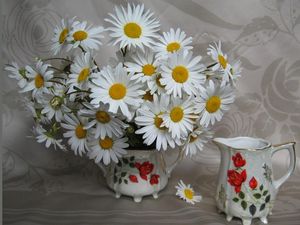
(145, 168)
(154, 179)
(236, 179)
(133, 178)
(238, 160)
(253, 183)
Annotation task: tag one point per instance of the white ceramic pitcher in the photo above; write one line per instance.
(139, 173)
(246, 187)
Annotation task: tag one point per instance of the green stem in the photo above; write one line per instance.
(81, 91)
(57, 58)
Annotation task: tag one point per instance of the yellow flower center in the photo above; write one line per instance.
(158, 121)
(102, 117)
(83, 75)
(173, 47)
(56, 102)
(180, 74)
(192, 139)
(189, 194)
(222, 61)
(158, 81)
(80, 132)
(213, 104)
(106, 143)
(176, 114)
(39, 81)
(148, 96)
(148, 70)
(80, 35)
(63, 35)
(132, 30)
(117, 91)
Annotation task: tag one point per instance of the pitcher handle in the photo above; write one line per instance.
(169, 169)
(291, 148)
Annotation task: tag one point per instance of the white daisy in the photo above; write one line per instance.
(235, 72)
(144, 66)
(149, 118)
(196, 140)
(133, 26)
(77, 134)
(61, 33)
(179, 118)
(221, 64)
(171, 42)
(43, 135)
(81, 71)
(87, 37)
(155, 85)
(15, 72)
(115, 88)
(182, 73)
(108, 149)
(38, 79)
(54, 104)
(106, 124)
(35, 110)
(187, 193)
(212, 102)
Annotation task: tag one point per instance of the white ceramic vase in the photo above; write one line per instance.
(246, 188)
(139, 173)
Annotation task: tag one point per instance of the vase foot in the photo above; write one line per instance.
(137, 199)
(118, 195)
(228, 218)
(155, 195)
(264, 220)
(246, 221)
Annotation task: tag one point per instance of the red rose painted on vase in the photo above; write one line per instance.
(154, 179)
(236, 179)
(145, 168)
(133, 179)
(238, 160)
(253, 183)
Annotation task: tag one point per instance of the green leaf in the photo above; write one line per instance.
(131, 158)
(244, 204)
(115, 179)
(235, 199)
(125, 161)
(242, 195)
(268, 198)
(257, 195)
(265, 193)
(261, 187)
(120, 180)
(125, 181)
(123, 174)
(131, 165)
(252, 209)
(262, 207)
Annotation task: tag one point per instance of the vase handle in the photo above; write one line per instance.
(169, 169)
(291, 148)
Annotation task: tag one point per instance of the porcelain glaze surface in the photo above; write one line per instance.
(246, 186)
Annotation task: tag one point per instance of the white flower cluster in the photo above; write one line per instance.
(157, 90)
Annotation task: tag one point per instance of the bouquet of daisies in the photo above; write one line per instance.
(155, 94)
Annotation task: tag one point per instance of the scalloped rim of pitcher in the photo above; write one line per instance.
(268, 144)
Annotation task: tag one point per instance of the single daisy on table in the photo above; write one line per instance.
(105, 123)
(38, 79)
(54, 104)
(43, 135)
(61, 33)
(81, 71)
(212, 102)
(114, 87)
(77, 134)
(196, 140)
(133, 27)
(179, 117)
(187, 193)
(15, 72)
(86, 36)
(143, 66)
(181, 73)
(172, 41)
(108, 149)
(149, 118)
(221, 62)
